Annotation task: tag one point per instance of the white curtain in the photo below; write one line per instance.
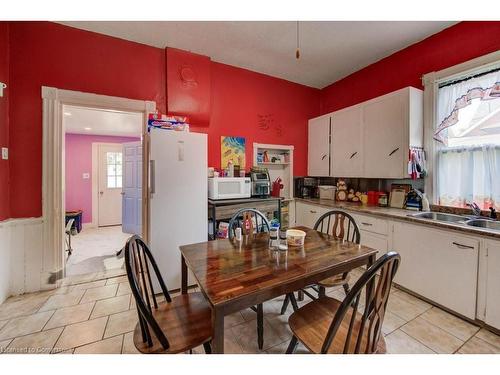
(469, 174)
(454, 97)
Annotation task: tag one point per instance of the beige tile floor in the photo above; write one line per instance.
(96, 314)
(94, 250)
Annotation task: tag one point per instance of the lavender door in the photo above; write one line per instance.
(132, 188)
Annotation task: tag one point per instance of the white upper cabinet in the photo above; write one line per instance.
(370, 139)
(389, 123)
(347, 142)
(318, 160)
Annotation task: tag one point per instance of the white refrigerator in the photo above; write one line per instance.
(178, 205)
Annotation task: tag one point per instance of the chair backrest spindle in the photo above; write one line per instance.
(138, 257)
(365, 331)
(344, 226)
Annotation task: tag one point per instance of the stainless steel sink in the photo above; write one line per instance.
(486, 224)
(439, 216)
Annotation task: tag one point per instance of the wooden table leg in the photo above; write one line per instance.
(218, 333)
(184, 276)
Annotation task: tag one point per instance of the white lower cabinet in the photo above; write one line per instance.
(307, 214)
(375, 241)
(459, 272)
(439, 265)
(492, 293)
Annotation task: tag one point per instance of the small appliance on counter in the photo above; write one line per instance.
(306, 187)
(261, 183)
(229, 187)
(414, 201)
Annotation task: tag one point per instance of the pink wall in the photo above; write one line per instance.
(78, 161)
(4, 120)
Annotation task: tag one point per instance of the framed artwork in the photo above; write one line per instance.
(232, 148)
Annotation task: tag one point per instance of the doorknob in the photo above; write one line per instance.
(101, 192)
(122, 193)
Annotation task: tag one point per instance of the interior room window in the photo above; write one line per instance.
(468, 134)
(114, 169)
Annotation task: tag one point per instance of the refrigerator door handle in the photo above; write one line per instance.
(152, 176)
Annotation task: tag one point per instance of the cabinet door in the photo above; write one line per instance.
(384, 129)
(375, 241)
(438, 265)
(318, 161)
(347, 143)
(308, 214)
(492, 284)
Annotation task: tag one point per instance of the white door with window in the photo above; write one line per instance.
(132, 188)
(110, 185)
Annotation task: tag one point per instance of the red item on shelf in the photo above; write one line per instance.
(372, 197)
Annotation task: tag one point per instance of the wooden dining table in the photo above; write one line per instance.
(234, 275)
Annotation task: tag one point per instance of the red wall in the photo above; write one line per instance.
(4, 120)
(458, 43)
(48, 54)
(245, 103)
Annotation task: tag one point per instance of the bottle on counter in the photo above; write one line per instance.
(230, 169)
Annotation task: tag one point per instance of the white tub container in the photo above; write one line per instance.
(327, 192)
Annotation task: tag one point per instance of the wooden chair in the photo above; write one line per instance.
(327, 325)
(342, 226)
(239, 220)
(174, 326)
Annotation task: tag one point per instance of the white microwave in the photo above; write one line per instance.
(229, 187)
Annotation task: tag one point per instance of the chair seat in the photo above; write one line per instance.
(186, 322)
(335, 281)
(311, 322)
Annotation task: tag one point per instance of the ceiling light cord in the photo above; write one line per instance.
(297, 51)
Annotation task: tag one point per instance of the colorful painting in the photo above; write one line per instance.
(232, 148)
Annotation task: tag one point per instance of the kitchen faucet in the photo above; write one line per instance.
(476, 210)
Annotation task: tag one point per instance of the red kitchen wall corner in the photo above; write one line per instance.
(188, 85)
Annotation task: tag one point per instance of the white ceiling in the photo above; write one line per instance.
(80, 120)
(330, 50)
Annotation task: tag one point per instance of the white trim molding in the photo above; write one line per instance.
(53, 205)
(20, 251)
(431, 83)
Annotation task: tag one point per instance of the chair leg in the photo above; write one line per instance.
(300, 295)
(285, 304)
(294, 302)
(322, 291)
(207, 347)
(292, 346)
(260, 326)
(346, 288)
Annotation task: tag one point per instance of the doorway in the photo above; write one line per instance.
(96, 141)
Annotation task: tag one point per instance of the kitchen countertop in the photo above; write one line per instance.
(399, 214)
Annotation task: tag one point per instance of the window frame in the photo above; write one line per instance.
(431, 82)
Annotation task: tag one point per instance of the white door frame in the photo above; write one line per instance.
(53, 205)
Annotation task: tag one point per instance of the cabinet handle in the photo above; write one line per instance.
(461, 246)
(353, 155)
(393, 151)
(367, 224)
(313, 212)
(323, 157)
